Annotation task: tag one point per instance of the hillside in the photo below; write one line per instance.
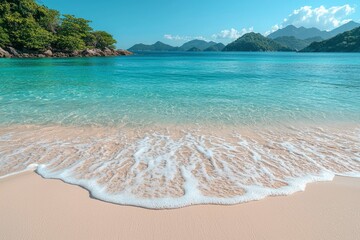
(191, 46)
(307, 33)
(199, 44)
(30, 29)
(255, 42)
(194, 49)
(295, 43)
(344, 28)
(346, 42)
(215, 48)
(156, 47)
(299, 33)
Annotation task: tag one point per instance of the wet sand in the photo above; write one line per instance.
(153, 167)
(35, 208)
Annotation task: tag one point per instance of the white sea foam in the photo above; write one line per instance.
(31, 167)
(171, 167)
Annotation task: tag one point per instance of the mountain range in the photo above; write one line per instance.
(295, 43)
(198, 44)
(345, 42)
(290, 38)
(215, 48)
(191, 46)
(306, 33)
(156, 47)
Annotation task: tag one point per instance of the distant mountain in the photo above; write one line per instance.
(194, 49)
(193, 45)
(158, 46)
(299, 33)
(255, 42)
(344, 28)
(345, 42)
(295, 43)
(306, 33)
(200, 44)
(215, 48)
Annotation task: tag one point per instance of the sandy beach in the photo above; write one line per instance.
(188, 123)
(35, 208)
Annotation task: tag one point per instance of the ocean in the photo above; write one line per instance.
(168, 130)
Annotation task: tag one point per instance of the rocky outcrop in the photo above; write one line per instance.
(13, 53)
(48, 53)
(121, 52)
(90, 53)
(4, 54)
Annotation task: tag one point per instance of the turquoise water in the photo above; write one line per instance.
(162, 130)
(182, 88)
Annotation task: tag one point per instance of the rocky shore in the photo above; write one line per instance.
(10, 52)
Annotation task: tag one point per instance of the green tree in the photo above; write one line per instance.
(70, 43)
(48, 19)
(90, 40)
(26, 8)
(4, 38)
(31, 36)
(4, 9)
(26, 33)
(26, 25)
(103, 40)
(73, 26)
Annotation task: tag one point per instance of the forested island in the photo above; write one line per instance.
(28, 29)
(255, 42)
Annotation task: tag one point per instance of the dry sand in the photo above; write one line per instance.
(35, 208)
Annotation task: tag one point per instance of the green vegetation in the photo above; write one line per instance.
(346, 42)
(215, 48)
(196, 44)
(4, 37)
(295, 43)
(194, 49)
(28, 26)
(103, 40)
(191, 46)
(156, 47)
(255, 42)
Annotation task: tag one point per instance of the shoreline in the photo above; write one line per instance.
(49, 209)
(106, 52)
(172, 168)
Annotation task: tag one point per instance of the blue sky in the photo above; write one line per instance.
(175, 22)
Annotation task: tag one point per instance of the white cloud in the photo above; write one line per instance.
(227, 34)
(171, 37)
(320, 17)
(232, 33)
(182, 38)
(201, 38)
(273, 29)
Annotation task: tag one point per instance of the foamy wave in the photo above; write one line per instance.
(171, 167)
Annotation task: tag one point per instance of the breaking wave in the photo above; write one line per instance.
(172, 167)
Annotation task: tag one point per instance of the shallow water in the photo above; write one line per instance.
(204, 88)
(171, 130)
